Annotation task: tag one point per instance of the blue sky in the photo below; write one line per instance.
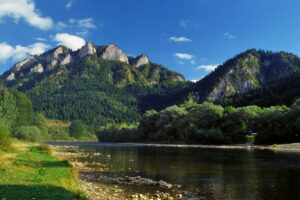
(188, 36)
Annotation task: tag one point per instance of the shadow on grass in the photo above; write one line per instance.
(43, 164)
(38, 192)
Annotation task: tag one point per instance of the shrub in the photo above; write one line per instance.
(58, 133)
(28, 133)
(77, 129)
(43, 148)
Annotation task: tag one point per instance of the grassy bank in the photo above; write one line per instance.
(28, 171)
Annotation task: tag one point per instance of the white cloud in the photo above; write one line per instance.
(184, 56)
(40, 39)
(193, 62)
(81, 26)
(24, 9)
(6, 51)
(184, 23)
(20, 52)
(60, 25)
(229, 35)
(71, 41)
(179, 39)
(69, 4)
(87, 23)
(207, 68)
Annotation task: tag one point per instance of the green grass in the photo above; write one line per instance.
(31, 172)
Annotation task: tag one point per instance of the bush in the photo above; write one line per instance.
(77, 129)
(58, 133)
(5, 140)
(43, 148)
(28, 133)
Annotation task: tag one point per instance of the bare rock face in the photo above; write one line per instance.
(141, 60)
(87, 49)
(37, 69)
(112, 52)
(59, 57)
(11, 77)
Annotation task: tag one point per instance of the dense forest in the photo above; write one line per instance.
(207, 123)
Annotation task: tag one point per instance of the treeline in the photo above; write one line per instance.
(18, 120)
(208, 123)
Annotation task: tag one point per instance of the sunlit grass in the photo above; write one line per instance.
(29, 172)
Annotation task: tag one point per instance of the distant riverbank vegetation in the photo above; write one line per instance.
(207, 123)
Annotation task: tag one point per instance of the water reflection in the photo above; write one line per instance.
(216, 173)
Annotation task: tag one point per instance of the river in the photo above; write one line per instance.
(214, 173)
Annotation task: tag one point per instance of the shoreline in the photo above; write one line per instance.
(292, 147)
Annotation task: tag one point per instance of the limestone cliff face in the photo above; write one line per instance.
(87, 49)
(61, 60)
(112, 52)
(57, 57)
(247, 71)
(141, 60)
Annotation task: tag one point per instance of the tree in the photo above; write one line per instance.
(41, 123)
(25, 115)
(4, 136)
(28, 133)
(77, 129)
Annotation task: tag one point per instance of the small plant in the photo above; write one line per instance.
(43, 148)
(275, 146)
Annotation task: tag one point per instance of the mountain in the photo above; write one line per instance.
(247, 72)
(97, 84)
(101, 84)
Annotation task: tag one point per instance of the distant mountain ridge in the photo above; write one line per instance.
(97, 84)
(62, 56)
(246, 72)
(101, 84)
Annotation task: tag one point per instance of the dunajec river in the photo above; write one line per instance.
(215, 173)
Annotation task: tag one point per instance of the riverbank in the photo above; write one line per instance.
(29, 171)
(293, 147)
(96, 182)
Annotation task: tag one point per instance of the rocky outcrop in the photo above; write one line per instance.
(247, 71)
(87, 49)
(37, 69)
(141, 60)
(59, 57)
(112, 52)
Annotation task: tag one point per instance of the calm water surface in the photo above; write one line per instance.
(216, 173)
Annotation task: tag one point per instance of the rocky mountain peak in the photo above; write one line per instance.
(88, 49)
(112, 52)
(141, 60)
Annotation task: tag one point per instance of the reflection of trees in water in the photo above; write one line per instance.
(217, 173)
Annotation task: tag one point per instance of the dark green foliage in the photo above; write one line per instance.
(8, 108)
(99, 92)
(43, 148)
(4, 136)
(15, 109)
(77, 129)
(25, 115)
(277, 126)
(58, 133)
(211, 124)
(28, 133)
(119, 133)
(41, 122)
